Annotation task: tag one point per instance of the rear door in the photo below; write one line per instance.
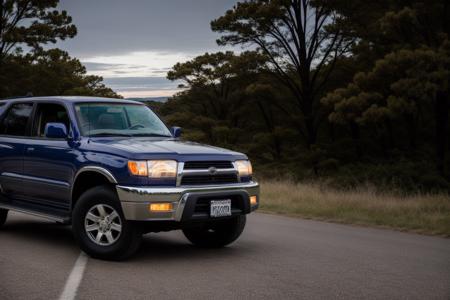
(14, 131)
(49, 163)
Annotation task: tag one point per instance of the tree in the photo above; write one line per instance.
(46, 73)
(380, 27)
(301, 46)
(229, 98)
(384, 102)
(409, 77)
(215, 75)
(32, 23)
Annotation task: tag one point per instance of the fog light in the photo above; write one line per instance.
(161, 207)
(253, 200)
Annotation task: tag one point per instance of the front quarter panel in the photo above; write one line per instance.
(90, 155)
(116, 164)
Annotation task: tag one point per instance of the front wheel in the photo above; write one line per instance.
(3, 216)
(216, 234)
(100, 227)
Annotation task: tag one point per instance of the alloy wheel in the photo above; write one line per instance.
(103, 225)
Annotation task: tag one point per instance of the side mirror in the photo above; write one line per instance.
(55, 131)
(176, 131)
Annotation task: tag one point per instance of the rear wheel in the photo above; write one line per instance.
(3, 216)
(100, 227)
(216, 234)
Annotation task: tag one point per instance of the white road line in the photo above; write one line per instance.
(75, 277)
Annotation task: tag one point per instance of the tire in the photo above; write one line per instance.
(216, 234)
(98, 213)
(3, 216)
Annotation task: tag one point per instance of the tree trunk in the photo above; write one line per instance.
(390, 131)
(268, 121)
(442, 130)
(412, 130)
(308, 100)
(331, 132)
(277, 146)
(311, 136)
(356, 136)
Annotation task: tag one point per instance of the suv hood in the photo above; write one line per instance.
(156, 148)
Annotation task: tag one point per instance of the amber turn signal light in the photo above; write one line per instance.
(253, 200)
(138, 168)
(161, 207)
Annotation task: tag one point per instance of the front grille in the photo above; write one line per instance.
(198, 173)
(197, 165)
(202, 206)
(208, 179)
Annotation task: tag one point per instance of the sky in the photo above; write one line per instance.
(133, 43)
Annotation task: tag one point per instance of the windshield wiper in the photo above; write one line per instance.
(104, 134)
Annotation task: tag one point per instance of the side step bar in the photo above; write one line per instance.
(59, 219)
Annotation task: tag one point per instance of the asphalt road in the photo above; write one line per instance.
(275, 258)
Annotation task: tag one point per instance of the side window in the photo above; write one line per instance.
(16, 119)
(49, 113)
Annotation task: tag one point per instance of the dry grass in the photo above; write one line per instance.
(429, 214)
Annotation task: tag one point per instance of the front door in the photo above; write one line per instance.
(48, 163)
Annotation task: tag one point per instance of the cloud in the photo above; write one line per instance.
(137, 74)
(148, 93)
(93, 66)
(111, 27)
(140, 39)
(134, 64)
(142, 86)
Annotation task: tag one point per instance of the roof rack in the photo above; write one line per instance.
(15, 97)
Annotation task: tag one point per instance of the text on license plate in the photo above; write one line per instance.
(220, 208)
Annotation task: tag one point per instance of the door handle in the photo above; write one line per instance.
(30, 149)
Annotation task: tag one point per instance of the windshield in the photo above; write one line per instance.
(109, 119)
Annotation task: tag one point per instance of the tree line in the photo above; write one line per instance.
(348, 91)
(34, 70)
(345, 91)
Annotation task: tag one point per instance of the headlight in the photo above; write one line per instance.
(162, 168)
(154, 168)
(244, 168)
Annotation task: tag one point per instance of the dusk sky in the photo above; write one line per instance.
(133, 43)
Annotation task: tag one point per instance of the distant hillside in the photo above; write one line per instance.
(150, 99)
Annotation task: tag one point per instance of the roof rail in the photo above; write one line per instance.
(14, 97)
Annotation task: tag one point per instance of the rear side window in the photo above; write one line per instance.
(16, 120)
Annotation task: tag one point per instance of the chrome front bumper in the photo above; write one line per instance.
(136, 200)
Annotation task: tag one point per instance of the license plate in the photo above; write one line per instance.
(220, 208)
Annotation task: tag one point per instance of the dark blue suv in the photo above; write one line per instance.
(113, 170)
